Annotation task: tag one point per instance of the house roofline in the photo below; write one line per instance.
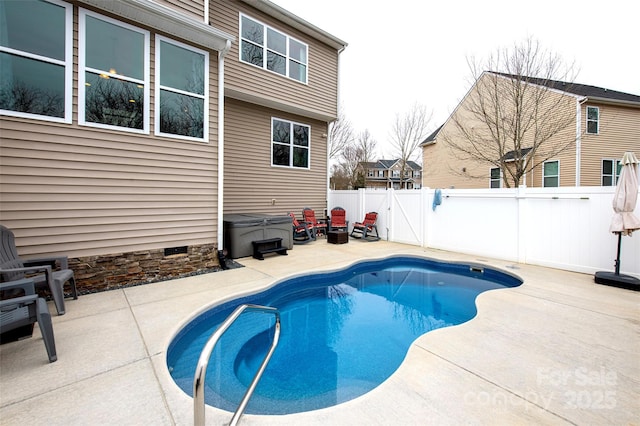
(610, 101)
(256, 99)
(165, 19)
(296, 22)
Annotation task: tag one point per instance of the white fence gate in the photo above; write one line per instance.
(565, 228)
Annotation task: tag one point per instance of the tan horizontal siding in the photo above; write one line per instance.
(443, 167)
(191, 8)
(81, 191)
(250, 180)
(321, 91)
(619, 132)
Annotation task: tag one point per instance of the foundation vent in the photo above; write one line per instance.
(175, 250)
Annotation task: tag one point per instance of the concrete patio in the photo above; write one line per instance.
(559, 349)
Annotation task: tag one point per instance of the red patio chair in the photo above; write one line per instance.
(302, 231)
(365, 227)
(338, 220)
(319, 226)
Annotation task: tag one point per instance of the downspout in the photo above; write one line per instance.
(221, 56)
(579, 137)
(329, 128)
(206, 12)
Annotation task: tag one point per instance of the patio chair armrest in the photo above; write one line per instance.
(51, 260)
(31, 269)
(17, 302)
(25, 284)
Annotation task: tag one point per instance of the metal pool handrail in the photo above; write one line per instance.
(201, 369)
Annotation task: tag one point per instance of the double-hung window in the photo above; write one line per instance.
(289, 144)
(272, 50)
(496, 177)
(113, 74)
(593, 120)
(36, 54)
(551, 174)
(181, 96)
(610, 172)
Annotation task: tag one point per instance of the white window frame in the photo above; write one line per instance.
(291, 144)
(265, 49)
(587, 120)
(499, 179)
(159, 87)
(68, 69)
(545, 176)
(615, 176)
(82, 69)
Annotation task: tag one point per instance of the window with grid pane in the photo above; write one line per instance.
(36, 59)
(496, 179)
(268, 48)
(551, 174)
(609, 178)
(113, 74)
(182, 95)
(593, 120)
(289, 144)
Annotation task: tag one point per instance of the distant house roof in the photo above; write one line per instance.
(387, 164)
(432, 137)
(578, 89)
(511, 155)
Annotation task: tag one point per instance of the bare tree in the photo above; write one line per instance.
(340, 135)
(362, 149)
(407, 133)
(515, 118)
(367, 145)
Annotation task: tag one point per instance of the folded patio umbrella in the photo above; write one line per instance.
(624, 222)
(624, 201)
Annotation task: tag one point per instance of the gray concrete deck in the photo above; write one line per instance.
(559, 349)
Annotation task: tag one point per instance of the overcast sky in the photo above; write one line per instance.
(405, 51)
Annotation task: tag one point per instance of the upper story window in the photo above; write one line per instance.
(395, 173)
(270, 49)
(593, 120)
(113, 74)
(181, 95)
(496, 177)
(36, 59)
(370, 173)
(289, 144)
(380, 173)
(609, 178)
(551, 174)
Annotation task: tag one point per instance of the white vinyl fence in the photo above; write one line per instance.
(565, 228)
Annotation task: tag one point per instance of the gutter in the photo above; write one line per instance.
(159, 17)
(579, 104)
(329, 128)
(296, 22)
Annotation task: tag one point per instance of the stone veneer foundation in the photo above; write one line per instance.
(99, 273)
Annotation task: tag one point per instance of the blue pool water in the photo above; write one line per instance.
(343, 332)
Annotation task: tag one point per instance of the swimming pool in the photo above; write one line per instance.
(343, 332)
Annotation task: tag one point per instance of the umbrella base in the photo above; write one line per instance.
(622, 281)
